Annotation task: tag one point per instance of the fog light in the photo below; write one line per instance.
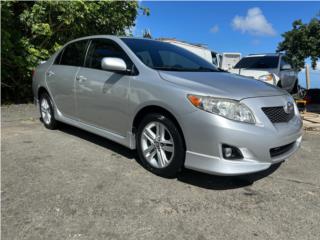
(227, 152)
(230, 152)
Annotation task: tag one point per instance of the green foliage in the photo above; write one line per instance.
(32, 31)
(302, 42)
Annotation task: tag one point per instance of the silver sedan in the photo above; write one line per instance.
(175, 108)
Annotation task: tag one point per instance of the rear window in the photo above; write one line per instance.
(258, 62)
(73, 54)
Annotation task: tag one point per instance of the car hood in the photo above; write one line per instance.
(221, 84)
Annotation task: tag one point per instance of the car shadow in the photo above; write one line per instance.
(98, 140)
(187, 176)
(214, 182)
(110, 82)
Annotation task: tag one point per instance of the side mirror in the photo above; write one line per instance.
(286, 67)
(113, 64)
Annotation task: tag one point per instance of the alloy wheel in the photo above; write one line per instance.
(157, 144)
(45, 111)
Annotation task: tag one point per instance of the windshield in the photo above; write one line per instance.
(258, 62)
(167, 57)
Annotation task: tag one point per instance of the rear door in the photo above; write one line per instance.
(102, 96)
(61, 75)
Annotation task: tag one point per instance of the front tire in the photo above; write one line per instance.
(47, 112)
(160, 145)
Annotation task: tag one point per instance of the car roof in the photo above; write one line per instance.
(108, 36)
(265, 55)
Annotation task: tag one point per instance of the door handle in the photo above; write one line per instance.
(81, 78)
(50, 73)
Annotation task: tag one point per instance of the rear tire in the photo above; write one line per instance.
(160, 145)
(47, 111)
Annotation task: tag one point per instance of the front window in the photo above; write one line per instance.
(167, 57)
(258, 62)
(101, 48)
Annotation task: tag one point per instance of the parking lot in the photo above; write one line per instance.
(70, 184)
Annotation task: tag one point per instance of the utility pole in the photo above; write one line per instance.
(307, 76)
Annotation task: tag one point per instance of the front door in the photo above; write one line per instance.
(102, 96)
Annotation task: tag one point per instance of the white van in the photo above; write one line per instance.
(228, 60)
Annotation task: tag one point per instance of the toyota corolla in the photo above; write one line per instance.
(176, 109)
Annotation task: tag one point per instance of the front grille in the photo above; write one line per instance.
(277, 114)
(277, 151)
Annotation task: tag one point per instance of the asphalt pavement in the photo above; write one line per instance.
(70, 184)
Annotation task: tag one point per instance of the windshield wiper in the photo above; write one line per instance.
(178, 69)
(206, 69)
(170, 69)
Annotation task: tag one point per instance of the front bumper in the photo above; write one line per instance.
(204, 151)
(36, 102)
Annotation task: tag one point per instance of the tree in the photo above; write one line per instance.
(147, 34)
(32, 31)
(302, 42)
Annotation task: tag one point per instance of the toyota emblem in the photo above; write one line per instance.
(288, 108)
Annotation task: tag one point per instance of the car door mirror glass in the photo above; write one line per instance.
(113, 64)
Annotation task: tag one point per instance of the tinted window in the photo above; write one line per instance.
(100, 48)
(168, 57)
(145, 57)
(74, 53)
(58, 58)
(174, 59)
(258, 62)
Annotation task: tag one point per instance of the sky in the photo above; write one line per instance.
(245, 27)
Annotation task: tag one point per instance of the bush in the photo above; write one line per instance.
(32, 31)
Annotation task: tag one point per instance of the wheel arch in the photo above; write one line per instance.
(156, 109)
(42, 90)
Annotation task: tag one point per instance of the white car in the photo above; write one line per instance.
(270, 68)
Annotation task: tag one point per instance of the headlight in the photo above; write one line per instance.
(268, 77)
(227, 108)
